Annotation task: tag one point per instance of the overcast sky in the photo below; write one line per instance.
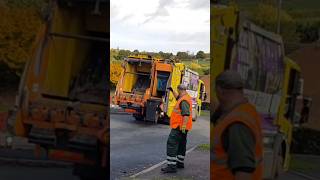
(160, 25)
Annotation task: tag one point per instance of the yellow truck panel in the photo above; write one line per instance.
(63, 90)
(274, 90)
(175, 81)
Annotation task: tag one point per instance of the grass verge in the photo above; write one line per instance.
(304, 166)
(204, 147)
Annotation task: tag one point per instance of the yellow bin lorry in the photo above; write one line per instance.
(142, 88)
(62, 104)
(272, 81)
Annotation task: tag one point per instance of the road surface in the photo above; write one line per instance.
(292, 176)
(35, 173)
(136, 145)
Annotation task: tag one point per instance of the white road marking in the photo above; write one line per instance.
(158, 165)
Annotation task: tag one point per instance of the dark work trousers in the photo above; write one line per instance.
(176, 147)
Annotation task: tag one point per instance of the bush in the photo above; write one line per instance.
(306, 141)
(265, 15)
(18, 28)
(195, 66)
(115, 73)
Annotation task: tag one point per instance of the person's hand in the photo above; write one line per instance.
(183, 129)
(170, 89)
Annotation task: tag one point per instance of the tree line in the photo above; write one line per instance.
(296, 26)
(120, 54)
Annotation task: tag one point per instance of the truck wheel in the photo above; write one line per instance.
(138, 117)
(85, 172)
(166, 120)
(279, 166)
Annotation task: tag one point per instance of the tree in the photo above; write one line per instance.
(18, 28)
(115, 72)
(194, 66)
(265, 15)
(200, 55)
(136, 51)
(308, 31)
(182, 55)
(165, 55)
(122, 54)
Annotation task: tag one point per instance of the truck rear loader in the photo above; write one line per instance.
(272, 81)
(62, 105)
(142, 88)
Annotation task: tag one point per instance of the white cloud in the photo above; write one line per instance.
(160, 25)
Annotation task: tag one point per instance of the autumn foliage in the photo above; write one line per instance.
(18, 28)
(115, 72)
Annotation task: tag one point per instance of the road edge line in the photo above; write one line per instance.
(158, 165)
(303, 175)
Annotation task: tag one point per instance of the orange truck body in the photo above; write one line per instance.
(142, 88)
(69, 124)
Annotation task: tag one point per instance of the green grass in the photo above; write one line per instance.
(303, 166)
(288, 4)
(204, 147)
(205, 113)
(204, 63)
(298, 9)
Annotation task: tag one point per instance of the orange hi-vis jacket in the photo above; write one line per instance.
(176, 119)
(246, 114)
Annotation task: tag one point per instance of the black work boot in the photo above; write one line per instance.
(169, 169)
(180, 165)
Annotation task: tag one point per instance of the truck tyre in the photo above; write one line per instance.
(85, 172)
(279, 160)
(166, 120)
(138, 117)
(279, 168)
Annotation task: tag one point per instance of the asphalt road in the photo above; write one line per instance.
(40, 173)
(137, 145)
(35, 173)
(293, 176)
